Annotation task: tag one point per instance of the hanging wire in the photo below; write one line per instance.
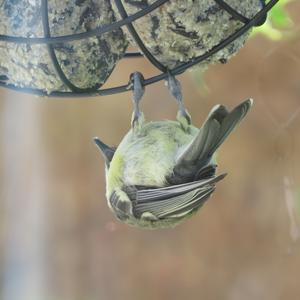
(126, 20)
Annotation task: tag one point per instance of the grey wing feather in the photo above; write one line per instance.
(176, 200)
(206, 172)
(122, 208)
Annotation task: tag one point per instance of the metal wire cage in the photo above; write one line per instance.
(126, 20)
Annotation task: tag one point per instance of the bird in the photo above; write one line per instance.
(163, 172)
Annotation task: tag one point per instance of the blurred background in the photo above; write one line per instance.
(58, 239)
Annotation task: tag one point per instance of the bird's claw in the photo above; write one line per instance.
(185, 120)
(136, 80)
(137, 121)
(175, 89)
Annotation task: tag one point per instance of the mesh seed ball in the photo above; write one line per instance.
(179, 31)
(86, 63)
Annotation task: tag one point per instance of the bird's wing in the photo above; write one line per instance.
(173, 201)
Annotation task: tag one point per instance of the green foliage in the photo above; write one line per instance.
(278, 21)
(278, 15)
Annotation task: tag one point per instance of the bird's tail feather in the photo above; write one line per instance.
(219, 124)
(227, 123)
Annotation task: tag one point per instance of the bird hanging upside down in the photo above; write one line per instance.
(163, 172)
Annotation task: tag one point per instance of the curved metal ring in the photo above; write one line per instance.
(261, 15)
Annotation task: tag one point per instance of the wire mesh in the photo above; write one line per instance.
(126, 20)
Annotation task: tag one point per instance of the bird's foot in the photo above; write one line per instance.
(138, 92)
(175, 89)
(184, 118)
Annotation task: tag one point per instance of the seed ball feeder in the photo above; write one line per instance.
(70, 48)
